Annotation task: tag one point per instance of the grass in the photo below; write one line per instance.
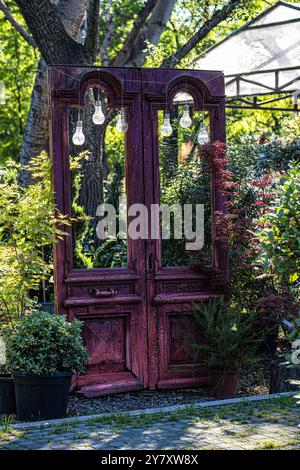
(272, 410)
(240, 412)
(268, 446)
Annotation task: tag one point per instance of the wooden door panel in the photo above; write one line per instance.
(180, 363)
(114, 342)
(106, 342)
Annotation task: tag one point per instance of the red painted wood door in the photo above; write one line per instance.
(174, 286)
(133, 316)
(109, 301)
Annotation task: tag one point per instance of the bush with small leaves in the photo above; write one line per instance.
(42, 343)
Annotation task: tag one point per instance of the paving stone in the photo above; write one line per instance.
(206, 433)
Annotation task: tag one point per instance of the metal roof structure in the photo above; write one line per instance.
(260, 58)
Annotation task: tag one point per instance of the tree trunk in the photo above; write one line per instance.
(91, 191)
(36, 135)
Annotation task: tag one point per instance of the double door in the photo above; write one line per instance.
(136, 293)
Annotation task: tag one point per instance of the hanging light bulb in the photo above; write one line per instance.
(78, 138)
(54, 2)
(122, 125)
(186, 120)
(203, 137)
(98, 117)
(296, 97)
(2, 93)
(82, 37)
(166, 128)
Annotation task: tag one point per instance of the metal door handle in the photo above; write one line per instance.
(103, 293)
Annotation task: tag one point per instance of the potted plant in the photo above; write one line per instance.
(7, 390)
(28, 225)
(229, 341)
(43, 353)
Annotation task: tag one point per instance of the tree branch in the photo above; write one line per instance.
(110, 28)
(217, 18)
(49, 33)
(124, 53)
(92, 40)
(18, 27)
(71, 13)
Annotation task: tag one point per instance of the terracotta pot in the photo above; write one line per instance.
(224, 383)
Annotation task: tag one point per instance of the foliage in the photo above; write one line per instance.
(249, 158)
(111, 254)
(18, 62)
(188, 16)
(89, 251)
(247, 180)
(189, 184)
(28, 225)
(262, 124)
(294, 330)
(229, 339)
(43, 343)
(279, 235)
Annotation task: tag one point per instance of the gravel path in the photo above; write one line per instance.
(79, 406)
(252, 382)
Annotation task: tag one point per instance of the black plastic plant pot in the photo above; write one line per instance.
(42, 396)
(7, 395)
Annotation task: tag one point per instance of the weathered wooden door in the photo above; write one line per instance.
(177, 280)
(134, 315)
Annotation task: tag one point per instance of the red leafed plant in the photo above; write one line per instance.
(237, 227)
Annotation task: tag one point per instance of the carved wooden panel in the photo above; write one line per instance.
(180, 363)
(106, 341)
(182, 333)
(120, 288)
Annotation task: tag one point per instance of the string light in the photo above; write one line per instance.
(78, 137)
(203, 137)
(122, 125)
(98, 117)
(186, 120)
(166, 129)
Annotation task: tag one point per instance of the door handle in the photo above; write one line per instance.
(103, 293)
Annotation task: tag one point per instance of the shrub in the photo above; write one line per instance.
(280, 233)
(229, 339)
(43, 343)
(29, 224)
